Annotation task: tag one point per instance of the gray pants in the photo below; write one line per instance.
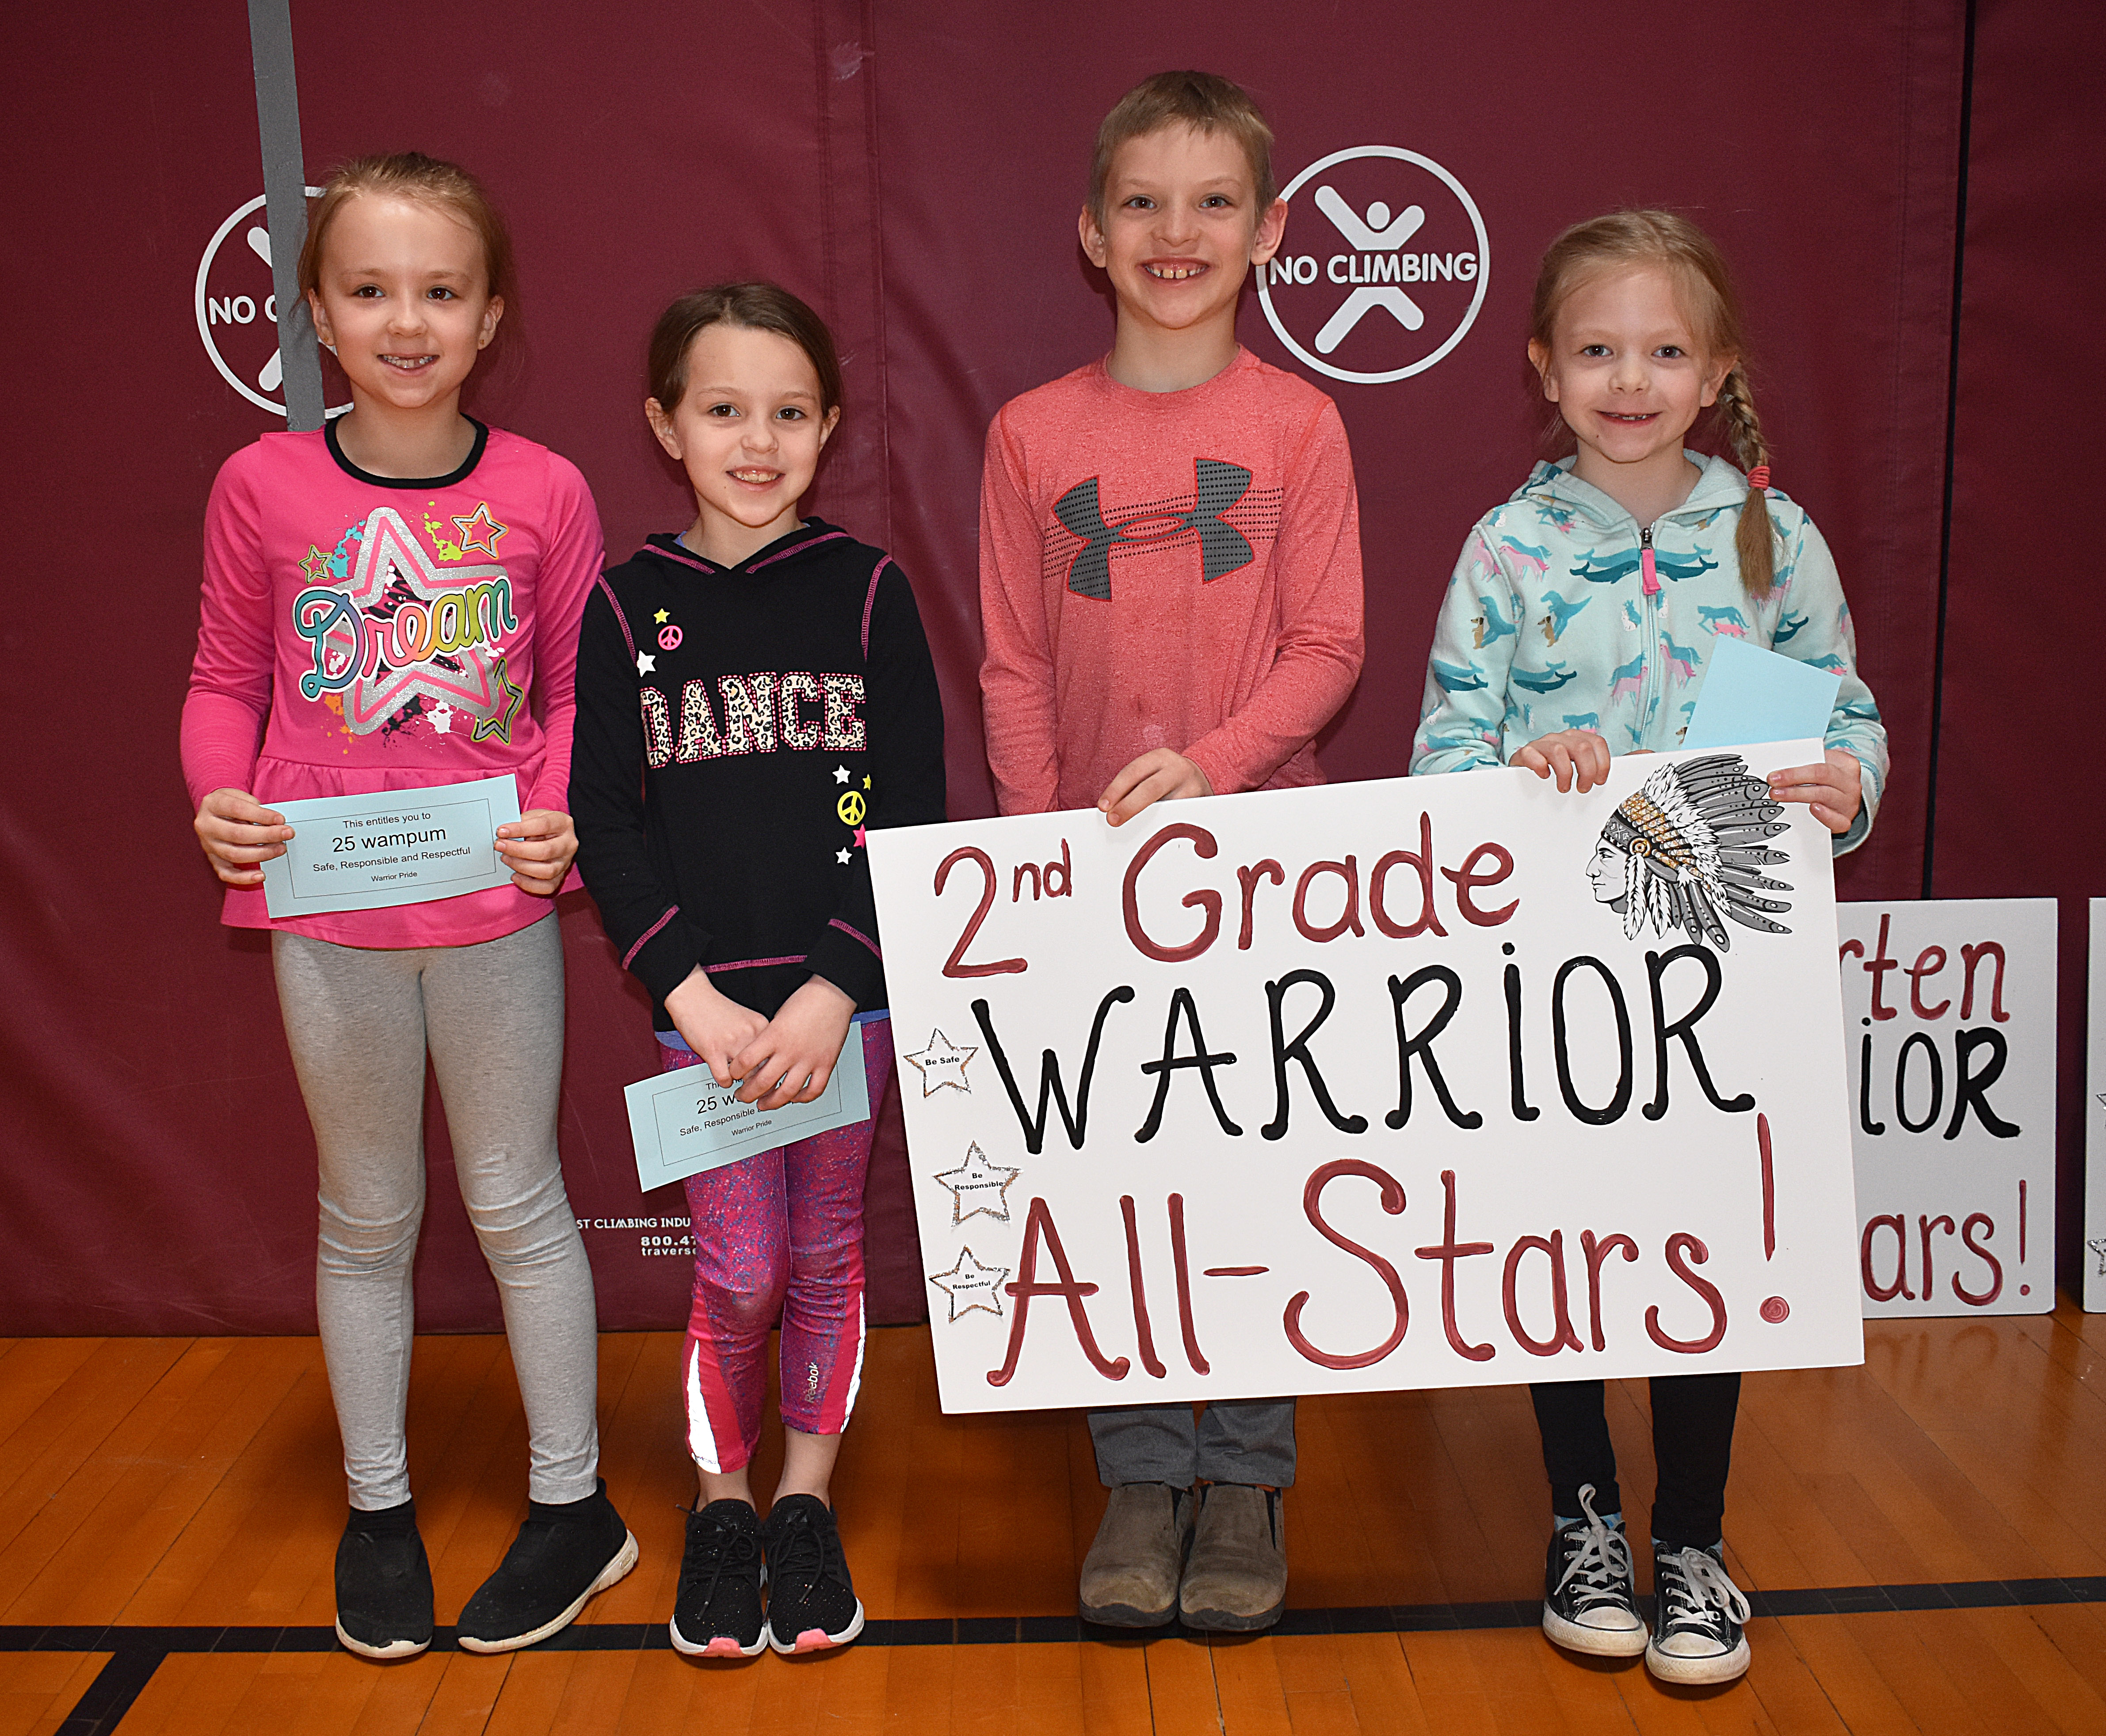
(359, 1021)
(1239, 1440)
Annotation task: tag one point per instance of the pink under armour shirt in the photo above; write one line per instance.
(1177, 570)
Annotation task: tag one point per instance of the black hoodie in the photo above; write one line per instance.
(738, 728)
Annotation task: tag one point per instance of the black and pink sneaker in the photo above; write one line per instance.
(716, 1611)
(811, 1603)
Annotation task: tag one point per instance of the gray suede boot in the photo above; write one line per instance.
(1130, 1575)
(1236, 1580)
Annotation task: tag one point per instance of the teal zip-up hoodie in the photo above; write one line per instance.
(1548, 625)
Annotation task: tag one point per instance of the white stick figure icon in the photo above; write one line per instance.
(1379, 234)
(259, 243)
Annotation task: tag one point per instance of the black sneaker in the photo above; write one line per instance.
(811, 1603)
(1589, 1596)
(716, 1612)
(1701, 1612)
(383, 1584)
(564, 1552)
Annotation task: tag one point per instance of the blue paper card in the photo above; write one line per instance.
(683, 1122)
(1753, 695)
(364, 853)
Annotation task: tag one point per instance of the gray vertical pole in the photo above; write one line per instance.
(285, 204)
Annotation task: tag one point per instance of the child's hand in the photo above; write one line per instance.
(1571, 754)
(1834, 790)
(537, 847)
(716, 1027)
(1161, 775)
(237, 832)
(791, 1060)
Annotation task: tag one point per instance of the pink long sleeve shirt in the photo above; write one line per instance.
(1177, 570)
(360, 633)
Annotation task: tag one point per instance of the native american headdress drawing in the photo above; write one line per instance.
(1692, 841)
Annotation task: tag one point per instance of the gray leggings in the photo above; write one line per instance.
(358, 1020)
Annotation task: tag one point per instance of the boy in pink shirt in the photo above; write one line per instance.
(1170, 587)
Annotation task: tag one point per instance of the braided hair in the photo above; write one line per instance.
(1692, 259)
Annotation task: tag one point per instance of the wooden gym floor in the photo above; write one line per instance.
(1925, 1535)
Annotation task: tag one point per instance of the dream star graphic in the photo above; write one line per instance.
(941, 1063)
(978, 1186)
(389, 553)
(970, 1285)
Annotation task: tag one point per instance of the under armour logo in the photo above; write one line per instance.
(1222, 548)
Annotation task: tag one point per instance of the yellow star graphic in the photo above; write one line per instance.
(510, 699)
(661, 617)
(315, 566)
(480, 530)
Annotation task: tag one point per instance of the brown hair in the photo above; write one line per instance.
(411, 175)
(1692, 259)
(758, 306)
(1204, 101)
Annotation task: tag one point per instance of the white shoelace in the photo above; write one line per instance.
(1602, 1565)
(1702, 1586)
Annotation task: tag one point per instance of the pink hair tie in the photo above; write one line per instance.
(1759, 477)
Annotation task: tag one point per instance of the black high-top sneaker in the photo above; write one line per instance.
(1589, 1596)
(1700, 1638)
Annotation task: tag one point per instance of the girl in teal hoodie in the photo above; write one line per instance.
(1578, 623)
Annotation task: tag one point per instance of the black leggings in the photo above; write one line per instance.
(1693, 1446)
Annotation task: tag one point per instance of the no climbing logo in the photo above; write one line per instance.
(1384, 266)
(237, 316)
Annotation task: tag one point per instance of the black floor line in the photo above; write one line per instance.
(138, 1652)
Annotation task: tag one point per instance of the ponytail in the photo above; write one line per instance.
(1755, 541)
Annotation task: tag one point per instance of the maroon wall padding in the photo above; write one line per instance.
(915, 170)
(1820, 145)
(2021, 797)
(159, 1171)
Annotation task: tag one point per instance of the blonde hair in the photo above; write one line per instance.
(411, 175)
(1205, 102)
(1692, 261)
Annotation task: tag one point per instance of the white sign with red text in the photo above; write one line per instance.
(1430, 1081)
(1949, 1015)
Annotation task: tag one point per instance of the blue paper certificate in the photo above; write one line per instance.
(363, 852)
(1753, 695)
(683, 1122)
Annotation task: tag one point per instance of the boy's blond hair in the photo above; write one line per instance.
(1204, 101)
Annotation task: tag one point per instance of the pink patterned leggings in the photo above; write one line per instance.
(779, 1232)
